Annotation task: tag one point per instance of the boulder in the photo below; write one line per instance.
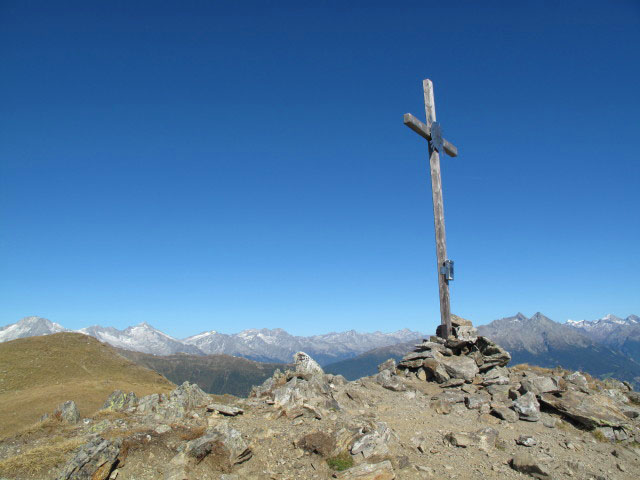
(577, 379)
(389, 364)
(67, 412)
(317, 442)
(149, 403)
(483, 438)
(457, 321)
(390, 381)
(305, 364)
(311, 391)
(526, 441)
(227, 410)
(476, 401)
(223, 442)
(527, 407)
(592, 411)
(95, 460)
(493, 355)
(496, 376)
(504, 413)
(373, 442)
(435, 370)
(526, 463)
(466, 333)
(451, 396)
(459, 367)
(538, 384)
(460, 439)
(368, 471)
(188, 396)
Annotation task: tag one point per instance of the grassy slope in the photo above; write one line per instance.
(218, 374)
(38, 373)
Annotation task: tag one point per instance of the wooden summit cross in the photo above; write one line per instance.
(433, 133)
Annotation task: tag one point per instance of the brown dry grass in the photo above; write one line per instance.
(39, 373)
(41, 459)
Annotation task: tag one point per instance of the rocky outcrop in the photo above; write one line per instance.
(305, 364)
(223, 442)
(66, 412)
(590, 409)
(305, 391)
(173, 407)
(119, 401)
(93, 461)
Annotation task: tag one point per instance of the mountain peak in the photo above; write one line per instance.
(29, 327)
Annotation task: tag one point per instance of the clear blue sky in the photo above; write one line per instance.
(211, 165)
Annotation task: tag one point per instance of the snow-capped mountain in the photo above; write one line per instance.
(276, 345)
(616, 332)
(541, 341)
(266, 345)
(141, 338)
(607, 323)
(29, 327)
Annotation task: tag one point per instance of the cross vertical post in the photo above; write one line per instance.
(431, 131)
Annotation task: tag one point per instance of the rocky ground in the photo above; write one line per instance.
(449, 409)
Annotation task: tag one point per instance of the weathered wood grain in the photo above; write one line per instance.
(438, 212)
(425, 132)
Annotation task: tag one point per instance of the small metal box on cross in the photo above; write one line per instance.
(433, 133)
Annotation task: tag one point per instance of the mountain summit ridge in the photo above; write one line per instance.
(266, 345)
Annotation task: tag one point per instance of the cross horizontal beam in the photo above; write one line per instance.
(424, 131)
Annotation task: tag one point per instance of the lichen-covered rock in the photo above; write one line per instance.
(119, 401)
(149, 403)
(305, 364)
(93, 461)
(67, 412)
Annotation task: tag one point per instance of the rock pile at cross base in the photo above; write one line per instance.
(450, 409)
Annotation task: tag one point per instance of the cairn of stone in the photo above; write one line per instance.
(472, 370)
(457, 359)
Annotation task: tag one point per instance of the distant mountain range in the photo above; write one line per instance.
(604, 347)
(264, 345)
(615, 332)
(590, 346)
